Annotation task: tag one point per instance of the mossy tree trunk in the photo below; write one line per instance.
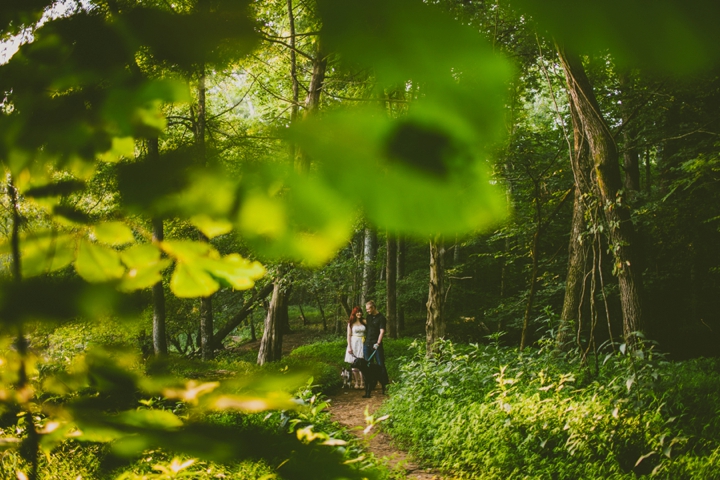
(271, 343)
(435, 323)
(604, 154)
(578, 250)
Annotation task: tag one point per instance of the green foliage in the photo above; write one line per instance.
(491, 412)
(671, 37)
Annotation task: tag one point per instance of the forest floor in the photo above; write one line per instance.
(347, 407)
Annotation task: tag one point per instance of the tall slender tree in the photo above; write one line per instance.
(604, 154)
(435, 322)
(369, 254)
(391, 286)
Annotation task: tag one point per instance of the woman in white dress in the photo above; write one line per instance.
(355, 337)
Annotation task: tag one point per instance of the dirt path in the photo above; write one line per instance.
(347, 407)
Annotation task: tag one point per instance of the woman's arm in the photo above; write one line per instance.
(349, 334)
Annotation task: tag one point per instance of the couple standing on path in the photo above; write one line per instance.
(372, 330)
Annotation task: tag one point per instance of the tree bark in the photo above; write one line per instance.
(435, 324)
(295, 84)
(158, 294)
(312, 100)
(238, 318)
(355, 296)
(401, 253)
(391, 290)
(271, 343)
(578, 251)
(534, 254)
(159, 335)
(369, 254)
(604, 155)
(631, 158)
(322, 311)
(284, 315)
(206, 310)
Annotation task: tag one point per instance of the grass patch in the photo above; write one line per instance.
(491, 412)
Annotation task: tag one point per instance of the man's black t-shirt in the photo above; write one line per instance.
(374, 324)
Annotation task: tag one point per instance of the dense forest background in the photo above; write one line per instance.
(184, 177)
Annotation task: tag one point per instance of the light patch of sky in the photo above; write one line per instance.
(61, 8)
(232, 92)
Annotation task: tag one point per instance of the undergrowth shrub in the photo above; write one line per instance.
(494, 412)
(326, 358)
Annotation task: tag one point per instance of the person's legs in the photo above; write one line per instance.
(380, 355)
(367, 351)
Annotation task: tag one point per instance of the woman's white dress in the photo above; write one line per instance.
(356, 342)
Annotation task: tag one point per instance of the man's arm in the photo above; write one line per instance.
(379, 340)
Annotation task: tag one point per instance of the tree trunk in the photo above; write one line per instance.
(345, 305)
(322, 311)
(401, 253)
(631, 158)
(504, 274)
(284, 315)
(159, 335)
(312, 100)
(369, 254)
(253, 335)
(295, 84)
(271, 343)
(435, 324)
(355, 297)
(30, 446)
(244, 312)
(391, 290)
(648, 173)
(158, 294)
(302, 314)
(206, 310)
(607, 172)
(578, 251)
(534, 254)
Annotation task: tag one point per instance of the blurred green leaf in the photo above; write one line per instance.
(237, 272)
(45, 252)
(96, 263)
(57, 299)
(667, 35)
(148, 185)
(61, 188)
(210, 227)
(143, 277)
(223, 31)
(17, 14)
(142, 255)
(200, 268)
(149, 419)
(113, 233)
(188, 251)
(144, 267)
(426, 181)
(190, 281)
(122, 147)
(286, 215)
(425, 172)
(74, 215)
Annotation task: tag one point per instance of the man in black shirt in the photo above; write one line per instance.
(374, 333)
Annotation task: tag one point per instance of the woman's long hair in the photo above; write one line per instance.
(352, 318)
